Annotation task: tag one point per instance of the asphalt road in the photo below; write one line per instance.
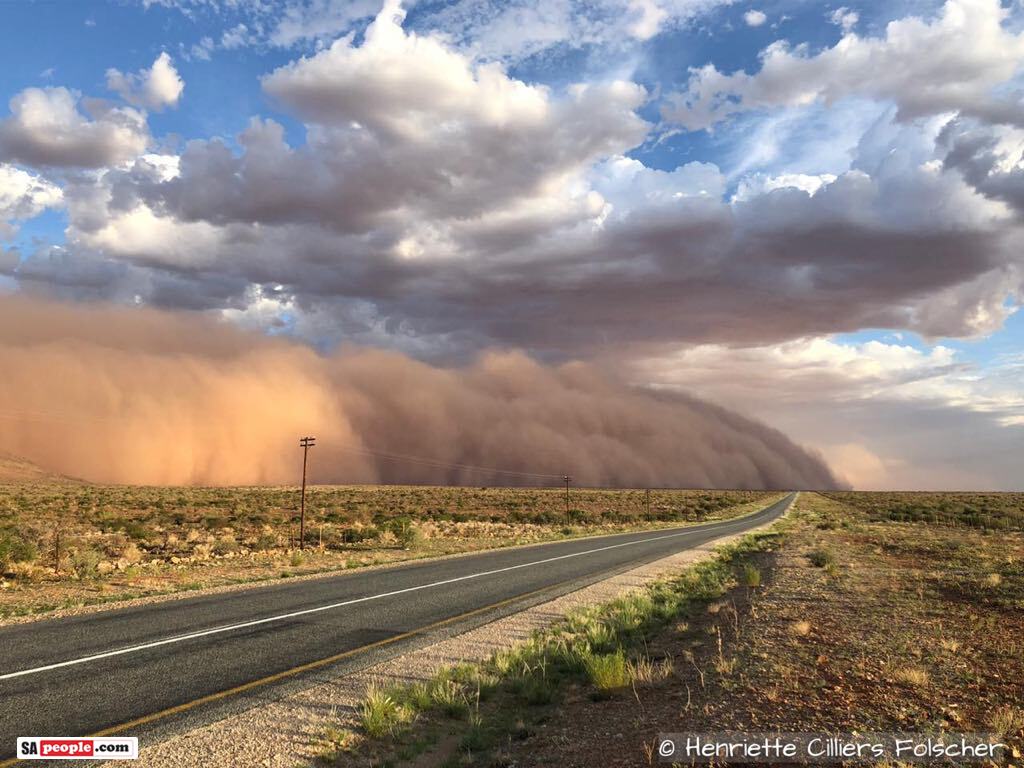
(105, 671)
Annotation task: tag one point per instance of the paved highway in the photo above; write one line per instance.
(123, 670)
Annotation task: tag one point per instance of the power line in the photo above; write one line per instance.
(441, 464)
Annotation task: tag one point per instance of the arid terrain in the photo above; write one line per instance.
(840, 618)
(65, 544)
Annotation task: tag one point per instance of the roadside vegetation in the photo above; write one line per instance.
(987, 511)
(839, 619)
(69, 544)
(471, 714)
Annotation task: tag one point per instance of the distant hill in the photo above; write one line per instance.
(14, 469)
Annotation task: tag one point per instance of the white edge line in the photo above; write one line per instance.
(332, 606)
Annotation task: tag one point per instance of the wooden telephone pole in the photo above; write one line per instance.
(566, 478)
(306, 443)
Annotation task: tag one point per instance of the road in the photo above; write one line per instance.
(123, 670)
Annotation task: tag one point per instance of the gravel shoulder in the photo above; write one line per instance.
(287, 728)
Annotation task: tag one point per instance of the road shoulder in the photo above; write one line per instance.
(287, 728)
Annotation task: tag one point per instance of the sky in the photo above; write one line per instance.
(808, 213)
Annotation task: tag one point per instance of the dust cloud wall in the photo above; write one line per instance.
(129, 395)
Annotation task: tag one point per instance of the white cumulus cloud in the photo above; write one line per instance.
(157, 87)
(47, 128)
(23, 196)
(755, 18)
(954, 63)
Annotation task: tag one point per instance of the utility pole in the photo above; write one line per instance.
(566, 478)
(306, 443)
(647, 503)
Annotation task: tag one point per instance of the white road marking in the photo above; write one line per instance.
(332, 606)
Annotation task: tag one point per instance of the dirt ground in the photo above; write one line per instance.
(857, 625)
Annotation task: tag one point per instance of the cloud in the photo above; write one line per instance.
(445, 257)
(755, 18)
(988, 157)
(885, 413)
(506, 30)
(845, 18)
(154, 88)
(954, 63)
(46, 128)
(317, 20)
(23, 196)
(201, 402)
(441, 206)
(401, 127)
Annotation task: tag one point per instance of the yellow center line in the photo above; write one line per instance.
(179, 708)
(146, 719)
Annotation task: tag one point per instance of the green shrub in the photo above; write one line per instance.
(607, 672)
(750, 576)
(406, 532)
(822, 557)
(15, 549)
(84, 561)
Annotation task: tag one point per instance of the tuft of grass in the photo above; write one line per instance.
(648, 672)
(607, 672)
(380, 714)
(449, 696)
(801, 628)
(912, 676)
(750, 575)
(1007, 721)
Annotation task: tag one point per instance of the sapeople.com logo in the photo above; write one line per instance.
(66, 748)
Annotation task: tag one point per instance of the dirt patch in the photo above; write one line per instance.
(900, 628)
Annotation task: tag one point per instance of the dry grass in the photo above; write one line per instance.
(801, 628)
(1007, 721)
(118, 542)
(912, 676)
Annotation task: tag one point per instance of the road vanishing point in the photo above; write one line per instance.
(150, 669)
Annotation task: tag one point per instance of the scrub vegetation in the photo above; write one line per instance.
(68, 544)
(855, 621)
(473, 711)
(988, 511)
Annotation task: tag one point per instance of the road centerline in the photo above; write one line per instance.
(341, 604)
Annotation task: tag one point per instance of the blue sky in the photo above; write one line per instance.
(689, 186)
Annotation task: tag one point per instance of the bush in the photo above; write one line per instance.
(225, 546)
(15, 549)
(822, 557)
(84, 561)
(406, 532)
